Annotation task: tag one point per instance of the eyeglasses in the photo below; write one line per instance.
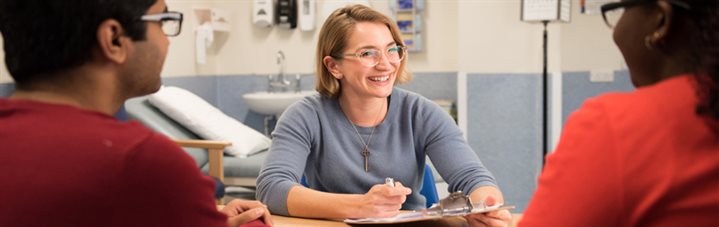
(611, 12)
(171, 22)
(371, 57)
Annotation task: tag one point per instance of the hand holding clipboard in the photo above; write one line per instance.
(456, 204)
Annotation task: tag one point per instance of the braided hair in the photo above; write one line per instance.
(703, 46)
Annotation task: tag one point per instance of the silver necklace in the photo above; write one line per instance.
(365, 151)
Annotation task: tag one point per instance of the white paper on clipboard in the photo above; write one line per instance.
(414, 216)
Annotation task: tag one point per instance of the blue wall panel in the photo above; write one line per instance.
(434, 85)
(504, 129)
(203, 86)
(576, 88)
(230, 90)
(6, 89)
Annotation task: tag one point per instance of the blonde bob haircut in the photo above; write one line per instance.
(333, 40)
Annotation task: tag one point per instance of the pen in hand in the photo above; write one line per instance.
(389, 182)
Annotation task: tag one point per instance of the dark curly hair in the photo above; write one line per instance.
(703, 45)
(43, 37)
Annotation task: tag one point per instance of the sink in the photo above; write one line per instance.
(273, 103)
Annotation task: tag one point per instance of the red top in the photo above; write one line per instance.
(64, 166)
(643, 158)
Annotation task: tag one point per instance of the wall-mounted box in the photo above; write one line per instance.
(408, 16)
(263, 13)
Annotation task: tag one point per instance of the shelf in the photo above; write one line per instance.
(408, 17)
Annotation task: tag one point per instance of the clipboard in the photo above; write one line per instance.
(414, 216)
(456, 204)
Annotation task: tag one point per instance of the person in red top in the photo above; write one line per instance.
(65, 161)
(648, 157)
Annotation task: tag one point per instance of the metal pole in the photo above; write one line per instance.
(545, 102)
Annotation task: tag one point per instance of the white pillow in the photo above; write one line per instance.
(208, 122)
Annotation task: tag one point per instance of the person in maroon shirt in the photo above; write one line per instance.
(65, 161)
(648, 157)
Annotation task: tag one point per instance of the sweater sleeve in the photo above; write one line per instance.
(162, 186)
(450, 153)
(579, 184)
(285, 163)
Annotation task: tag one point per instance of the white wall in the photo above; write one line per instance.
(475, 36)
(440, 39)
(587, 44)
(494, 40)
(244, 50)
(248, 49)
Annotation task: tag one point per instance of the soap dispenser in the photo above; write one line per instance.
(286, 14)
(263, 13)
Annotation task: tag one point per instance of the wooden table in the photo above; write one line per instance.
(282, 221)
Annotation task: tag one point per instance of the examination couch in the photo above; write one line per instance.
(232, 171)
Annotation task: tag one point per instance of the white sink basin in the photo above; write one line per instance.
(273, 103)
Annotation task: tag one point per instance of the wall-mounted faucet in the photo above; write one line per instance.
(279, 82)
(281, 65)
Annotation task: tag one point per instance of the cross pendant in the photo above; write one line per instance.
(365, 153)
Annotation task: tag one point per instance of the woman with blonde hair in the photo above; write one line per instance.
(360, 129)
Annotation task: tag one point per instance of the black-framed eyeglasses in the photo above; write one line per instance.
(611, 12)
(372, 57)
(171, 21)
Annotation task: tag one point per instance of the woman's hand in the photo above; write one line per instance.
(499, 218)
(243, 211)
(383, 200)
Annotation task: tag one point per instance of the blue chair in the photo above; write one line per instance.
(429, 190)
(219, 188)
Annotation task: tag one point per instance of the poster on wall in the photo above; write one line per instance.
(546, 10)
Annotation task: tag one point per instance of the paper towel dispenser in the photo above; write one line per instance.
(306, 14)
(208, 22)
(286, 14)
